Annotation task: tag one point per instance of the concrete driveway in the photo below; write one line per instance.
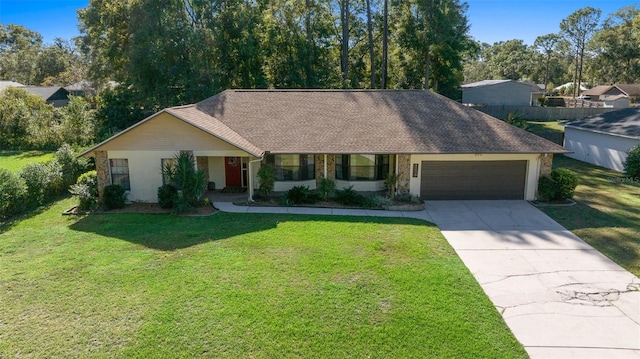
(560, 297)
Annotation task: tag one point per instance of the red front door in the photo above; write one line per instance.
(233, 171)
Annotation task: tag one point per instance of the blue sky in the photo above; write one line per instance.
(491, 20)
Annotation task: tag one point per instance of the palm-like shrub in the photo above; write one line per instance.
(191, 183)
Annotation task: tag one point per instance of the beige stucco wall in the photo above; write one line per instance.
(598, 148)
(533, 168)
(166, 133)
(145, 172)
(507, 93)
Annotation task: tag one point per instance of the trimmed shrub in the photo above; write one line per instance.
(301, 195)
(86, 190)
(37, 179)
(632, 163)
(326, 187)
(267, 179)
(559, 186)
(114, 196)
(349, 197)
(12, 192)
(167, 195)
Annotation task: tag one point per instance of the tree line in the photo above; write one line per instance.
(170, 52)
(585, 51)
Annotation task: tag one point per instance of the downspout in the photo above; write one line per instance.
(251, 177)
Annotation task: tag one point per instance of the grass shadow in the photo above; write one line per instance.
(11, 222)
(169, 232)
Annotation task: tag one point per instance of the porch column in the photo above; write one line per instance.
(202, 163)
(404, 173)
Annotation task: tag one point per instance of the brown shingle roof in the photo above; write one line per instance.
(630, 89)
(214, 127)
(357, 121)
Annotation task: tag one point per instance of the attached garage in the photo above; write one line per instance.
(473, 180)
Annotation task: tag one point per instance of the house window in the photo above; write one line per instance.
(362, 167)
(120, 172)
(292, 167)
(166, 163)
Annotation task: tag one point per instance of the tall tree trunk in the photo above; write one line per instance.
(546, 73)
(580, 68)
(427, 69)
(372, 59)
(427, 40)
(385, 43)
(344, 9)
(309, 68)
(575, 75)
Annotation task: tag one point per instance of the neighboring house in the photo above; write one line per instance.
(604, 139)
(610, 92)
(5, 84)
(501, 93)
(57, 96)
(81, 89)
(439, 148)
(620, 101)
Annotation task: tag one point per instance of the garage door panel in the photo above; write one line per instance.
(473, 180)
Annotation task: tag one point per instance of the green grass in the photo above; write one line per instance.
(544, 126)
(240, 285)
(607, 213)
(15, 160)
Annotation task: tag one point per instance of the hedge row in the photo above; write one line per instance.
(38, 183)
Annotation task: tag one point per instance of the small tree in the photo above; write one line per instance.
(191, 183)
(392, 183)
(632, 163)
(267, 179)
(325, 187)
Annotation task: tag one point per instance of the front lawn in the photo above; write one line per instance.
(15, 160)
(240, 285)
(607, 215)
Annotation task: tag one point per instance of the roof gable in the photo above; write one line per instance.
(51, 93)
(625, 123)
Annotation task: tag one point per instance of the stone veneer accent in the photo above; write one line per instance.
(331, 167)
(203, 164)
(404, 173)
(102, 168)
(545, 164)
(319, 163)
